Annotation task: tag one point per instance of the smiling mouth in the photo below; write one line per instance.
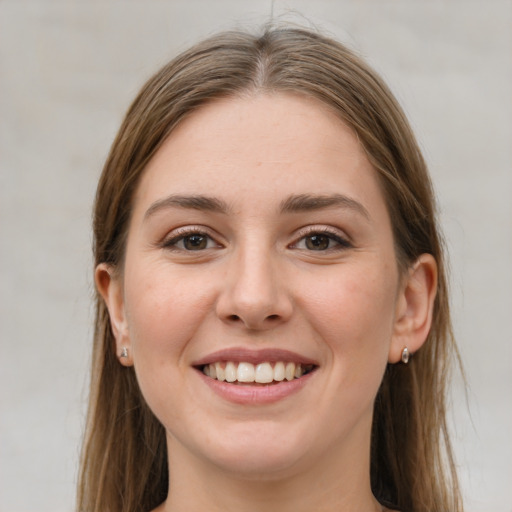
(245, 373)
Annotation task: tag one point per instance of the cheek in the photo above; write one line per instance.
(164, 309)
(352, 311)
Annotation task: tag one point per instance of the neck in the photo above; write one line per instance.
(333, 482)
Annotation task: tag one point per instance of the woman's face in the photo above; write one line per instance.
(260, 241)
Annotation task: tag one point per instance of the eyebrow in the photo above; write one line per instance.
(310, 202)
(193, 202)
(293, 204)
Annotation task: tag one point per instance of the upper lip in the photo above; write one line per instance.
(241, 354)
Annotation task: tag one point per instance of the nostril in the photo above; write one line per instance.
(234, 317)
(273, 317)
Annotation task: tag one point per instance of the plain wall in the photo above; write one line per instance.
(68, 71)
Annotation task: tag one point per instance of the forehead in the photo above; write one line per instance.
(260, 147)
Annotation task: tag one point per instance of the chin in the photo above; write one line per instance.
(261, 464)
(250, 449)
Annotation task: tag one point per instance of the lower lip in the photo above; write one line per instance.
(257, 394)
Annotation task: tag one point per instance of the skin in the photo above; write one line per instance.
(259, 284)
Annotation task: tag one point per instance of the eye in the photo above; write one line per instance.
(322, 241)
(190, 241)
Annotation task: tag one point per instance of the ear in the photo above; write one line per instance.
(415, 305)
(110, 288)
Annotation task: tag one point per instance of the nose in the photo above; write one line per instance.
(254, 294)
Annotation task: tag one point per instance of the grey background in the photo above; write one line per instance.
(68, 70)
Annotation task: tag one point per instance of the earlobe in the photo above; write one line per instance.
(109, 286)
(415, 306)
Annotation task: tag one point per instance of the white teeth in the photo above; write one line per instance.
(279, 371)
(245, 372)
(263, 373)
(289, 371)
(230, 372)
(220, 371)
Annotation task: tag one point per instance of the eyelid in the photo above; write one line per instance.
(180, 233)
(335, 234)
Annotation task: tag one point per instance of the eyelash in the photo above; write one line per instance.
(342, 243)
(182, 234)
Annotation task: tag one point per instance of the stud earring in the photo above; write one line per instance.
(405, 355)
(124, 352)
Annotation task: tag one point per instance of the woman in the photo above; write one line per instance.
(273, 328)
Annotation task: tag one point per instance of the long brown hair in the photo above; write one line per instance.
(124, 459)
